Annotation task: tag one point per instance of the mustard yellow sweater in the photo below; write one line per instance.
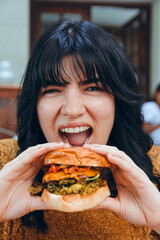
(88, 225)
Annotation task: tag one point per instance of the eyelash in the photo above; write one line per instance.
(49, 91)
(90, 89)
(94, 89)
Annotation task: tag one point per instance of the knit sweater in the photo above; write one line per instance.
(87, 225)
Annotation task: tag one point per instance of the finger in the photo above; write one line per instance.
(105, 150)
(110, 152)
(121, 160)
(41, 149)
(118, 161)
(132, 174)
(38, 204)
(111, 204)
(31, 158)
(36, 152)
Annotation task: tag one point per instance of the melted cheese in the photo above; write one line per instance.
(61, 175)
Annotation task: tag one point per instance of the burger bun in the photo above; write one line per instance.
(75, 202)
(76, 156)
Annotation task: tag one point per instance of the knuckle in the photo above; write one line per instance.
(38, 146)
(30, 148)
(122, 153)
(115, 148)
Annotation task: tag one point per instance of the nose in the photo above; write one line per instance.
(73, 105)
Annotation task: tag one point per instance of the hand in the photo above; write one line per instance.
(138, 200)
(15, 179)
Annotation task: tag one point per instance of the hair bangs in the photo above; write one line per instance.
(92, 68)
(49, 70)
(86, 58)
(86, 68)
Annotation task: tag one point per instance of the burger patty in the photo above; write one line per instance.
(80, 187)
(68, 186)
(92, 179)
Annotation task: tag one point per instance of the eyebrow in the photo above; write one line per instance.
(81, 82)
(89, 81)
(57, 84)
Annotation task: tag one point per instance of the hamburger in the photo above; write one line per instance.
(72, 180)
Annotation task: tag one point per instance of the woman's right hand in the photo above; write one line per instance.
(15, 179)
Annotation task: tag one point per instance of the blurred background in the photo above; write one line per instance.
(134, 23)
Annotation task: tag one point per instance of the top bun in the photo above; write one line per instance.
(76, 156)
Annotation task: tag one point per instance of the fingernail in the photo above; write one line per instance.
(67, 144)
(87, 145)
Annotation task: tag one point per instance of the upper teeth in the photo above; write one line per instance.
(75, 130)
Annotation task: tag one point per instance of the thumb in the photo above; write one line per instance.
(38, 204)
(111, 204)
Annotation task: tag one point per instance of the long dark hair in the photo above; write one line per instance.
(96, 52)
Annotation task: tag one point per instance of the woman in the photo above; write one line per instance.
(79, 76)
(151, 115)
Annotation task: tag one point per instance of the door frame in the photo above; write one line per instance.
(83, 7)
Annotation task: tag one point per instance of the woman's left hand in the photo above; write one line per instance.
(138, 200)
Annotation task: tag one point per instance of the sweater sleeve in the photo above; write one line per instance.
(8, 151)
(154, 155)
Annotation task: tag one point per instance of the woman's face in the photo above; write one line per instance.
(79, 112)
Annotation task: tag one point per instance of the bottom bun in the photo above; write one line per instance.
(75, 202)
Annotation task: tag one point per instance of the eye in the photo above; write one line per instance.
(94, 89)
(50, 91)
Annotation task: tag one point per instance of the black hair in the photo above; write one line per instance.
(158, 88)
(96, 52)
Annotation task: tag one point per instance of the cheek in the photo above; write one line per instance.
(43, 110)
(104, 109)
(45, 115)
(104, 114)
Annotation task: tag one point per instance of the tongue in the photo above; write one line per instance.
(77, 139)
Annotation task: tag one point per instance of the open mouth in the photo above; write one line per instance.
(76, 136)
